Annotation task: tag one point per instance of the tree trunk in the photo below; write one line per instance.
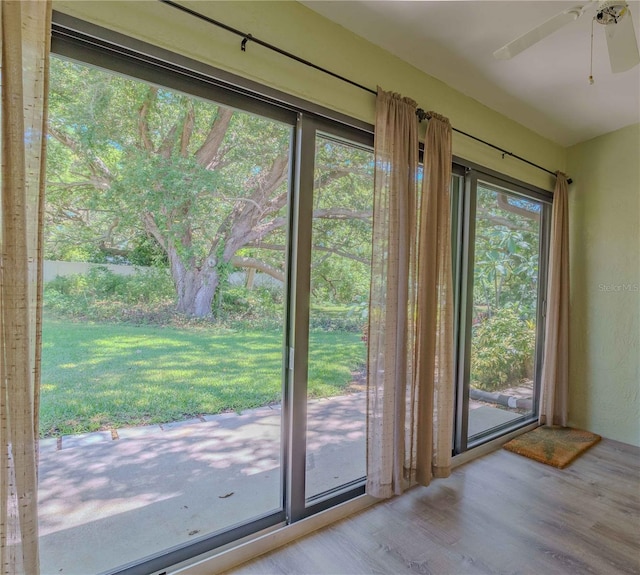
(195, 293)
(195, 288)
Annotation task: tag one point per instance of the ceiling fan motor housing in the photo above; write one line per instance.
(611, 11)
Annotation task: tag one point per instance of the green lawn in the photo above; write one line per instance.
(103, 376)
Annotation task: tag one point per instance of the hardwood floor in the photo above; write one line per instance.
(500, 514)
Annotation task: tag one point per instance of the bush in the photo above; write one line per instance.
(502, 350)
(346, 323)
(102, 295)
(243, 308)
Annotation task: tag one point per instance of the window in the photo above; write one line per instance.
(500, 238)
(207, 282)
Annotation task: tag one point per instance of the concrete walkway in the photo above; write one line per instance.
(106, 501)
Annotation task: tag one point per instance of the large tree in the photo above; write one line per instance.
(133, 165)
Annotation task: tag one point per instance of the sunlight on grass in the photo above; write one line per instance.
(102, 376)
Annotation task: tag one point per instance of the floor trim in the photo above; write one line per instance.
(490, 446)
(218, 562)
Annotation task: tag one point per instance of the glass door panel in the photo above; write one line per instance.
(504, 312)
(338, 315)
(165, 276)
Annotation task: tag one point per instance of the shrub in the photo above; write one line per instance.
(319, 322)
(102, 295)
(502, 350)
(239, 302)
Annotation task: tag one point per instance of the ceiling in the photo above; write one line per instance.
(545, 88)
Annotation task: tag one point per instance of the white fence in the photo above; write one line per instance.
(52, 269)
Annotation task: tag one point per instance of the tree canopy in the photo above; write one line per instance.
(145, 175)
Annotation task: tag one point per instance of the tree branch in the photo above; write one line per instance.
(208, 154)
(342, 214)
(503, 203)
(187, 131)
(337, 251)
(500, 221)
(96, 165)
(244, 262)
(166, 148)
(143, 123)
(152, 228)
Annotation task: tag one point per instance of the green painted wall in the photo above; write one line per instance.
(295, 28)
(605, 291)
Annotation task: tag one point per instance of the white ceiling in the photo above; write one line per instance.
(545, 88)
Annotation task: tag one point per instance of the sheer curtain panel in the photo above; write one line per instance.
(555, 372)
(24, 41)
(392, 301)
(433, 378)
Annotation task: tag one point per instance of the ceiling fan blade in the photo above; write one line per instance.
(534, 36)
(622, 44)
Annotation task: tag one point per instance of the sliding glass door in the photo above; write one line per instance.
(501, 306)
(338, 315)
(164, 332)
(332, 228)
(206, 297)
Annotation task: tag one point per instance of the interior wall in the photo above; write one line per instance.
(295, 28)
(605, 290)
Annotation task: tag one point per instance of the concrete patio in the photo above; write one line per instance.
(105, 502)
(110, 498)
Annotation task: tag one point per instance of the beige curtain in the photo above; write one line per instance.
(433, 379)
(392, 295)
(555, 372)
(24, 41)
(410, 375)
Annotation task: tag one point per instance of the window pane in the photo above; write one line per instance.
(163, 337)
(505, 299)
(339, 306)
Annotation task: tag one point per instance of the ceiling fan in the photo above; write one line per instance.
(612, 14)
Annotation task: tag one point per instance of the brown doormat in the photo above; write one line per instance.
(557, 446)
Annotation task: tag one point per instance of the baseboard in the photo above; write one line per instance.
(490, 446)
(220, 561)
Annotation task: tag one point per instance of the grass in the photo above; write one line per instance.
(104, 376)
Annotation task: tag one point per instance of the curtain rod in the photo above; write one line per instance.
(422, 115)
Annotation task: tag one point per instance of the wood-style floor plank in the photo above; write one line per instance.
(500, 514)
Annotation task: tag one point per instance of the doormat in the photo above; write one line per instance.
(557, 446)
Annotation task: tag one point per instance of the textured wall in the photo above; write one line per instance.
(605, 291)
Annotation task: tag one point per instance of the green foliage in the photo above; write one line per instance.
(341, 252)
(325, 317)
(101, 295)
(258, 307)
(146, 252)
(506, 252)
(345, 323)
(502, 350)
(505, 289)
(129, 162)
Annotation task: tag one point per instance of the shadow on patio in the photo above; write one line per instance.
(106, 502)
